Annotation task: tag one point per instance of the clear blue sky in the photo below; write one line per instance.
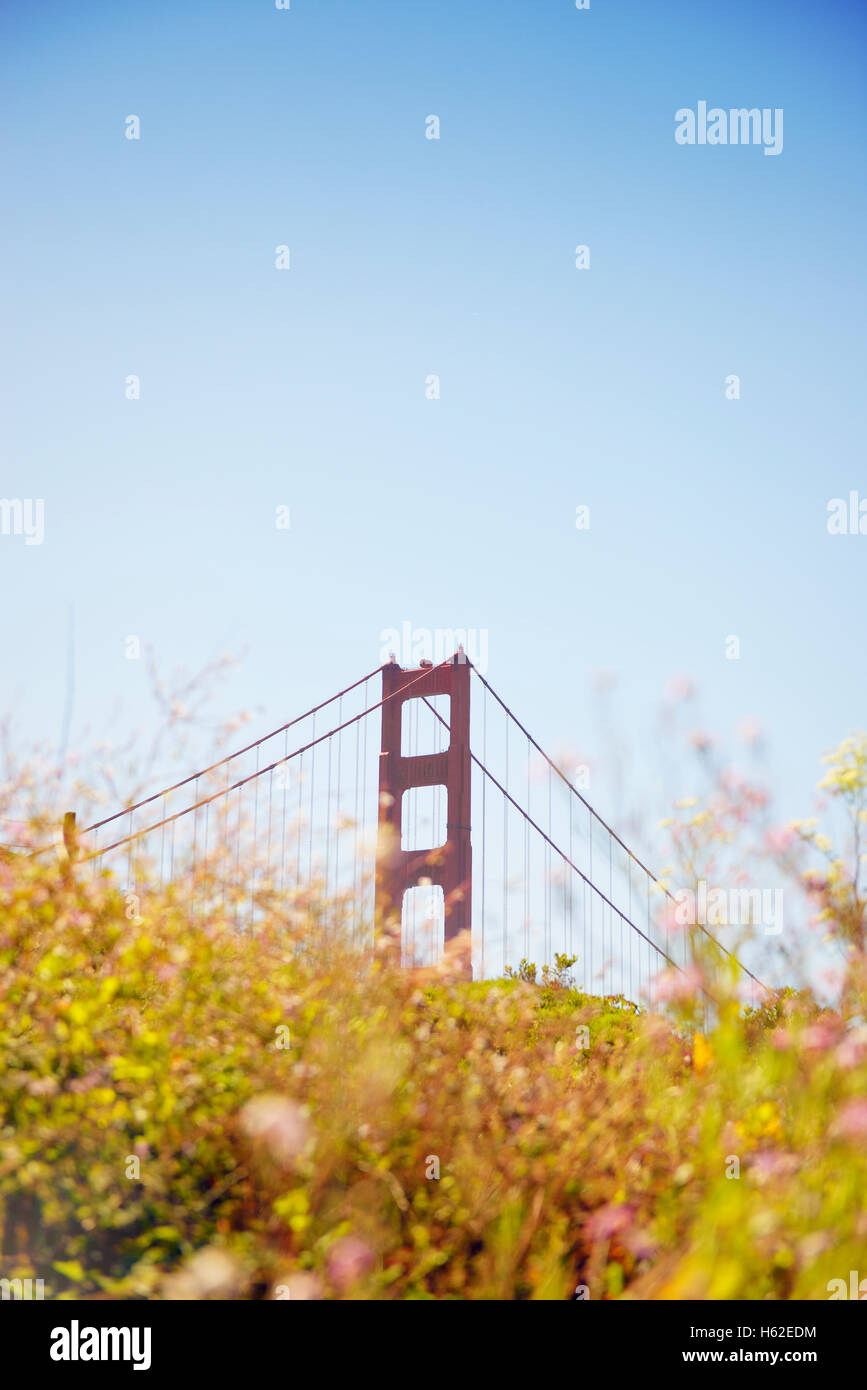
(411, 257)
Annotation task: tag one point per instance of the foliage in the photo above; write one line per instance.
(556, 976)
(189, 1111)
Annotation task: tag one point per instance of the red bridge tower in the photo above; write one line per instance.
(450, 864)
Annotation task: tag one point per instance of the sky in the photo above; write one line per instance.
(309, 387)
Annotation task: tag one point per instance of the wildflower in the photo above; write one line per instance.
(852, 1120)
(814, 883)
(348, 1259)
(609, 1221)
(847, 767)
(209, 1273)
(803, 827)
(640, 1244)
(280, 1124)
(852, 1051)
(701, 1053)
(678, 985)
(670, 918)
(300, 1287)
(820, 1036)
(780, 839)
(678, 688)
(43, 1086)
(749, 731)
(772, 1164)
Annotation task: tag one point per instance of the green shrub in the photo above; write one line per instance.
(191, 1111)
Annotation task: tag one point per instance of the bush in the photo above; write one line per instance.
(192, 1111)
(189, 1111)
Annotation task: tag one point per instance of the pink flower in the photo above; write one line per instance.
(852, 1120)
(833, 978)
(300, 1286)
(609, 1221)
(814, 887)
(744, 992)
(772, 1164)
(780, 839)
(852, 1050)
(675, 985)
(820, 1036)
(700, 740)
(80, 1085)
(678, 688)
(43, 1086)
(749, 730)
(209, 1273)
(675, 917)
(277, 1123)
(641, 1244)
(348, 1259)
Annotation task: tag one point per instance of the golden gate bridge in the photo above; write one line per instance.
(418, 807)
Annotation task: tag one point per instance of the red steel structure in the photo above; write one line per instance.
(295, 810)
(450, 864)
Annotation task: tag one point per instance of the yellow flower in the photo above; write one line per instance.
(701, 1052)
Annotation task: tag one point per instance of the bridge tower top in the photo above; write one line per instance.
(450, 864)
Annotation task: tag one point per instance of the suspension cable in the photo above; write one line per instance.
(235, 786)
(613, 833)
(578, 871)
(231, 756)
